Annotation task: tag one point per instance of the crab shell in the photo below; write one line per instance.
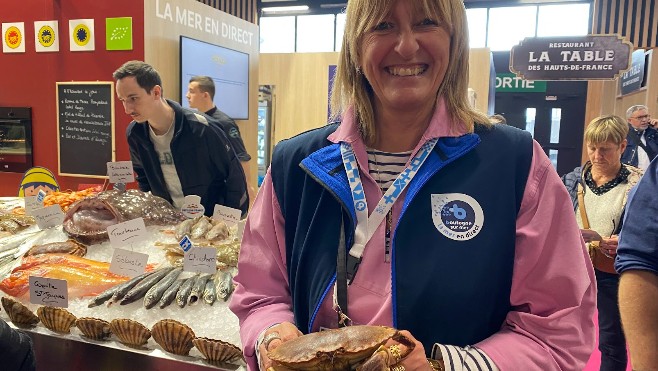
(341, 349)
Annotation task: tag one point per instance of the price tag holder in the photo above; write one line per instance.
(32, 203)
(48, 217)
(120, 172)
(128, 263)
(127, 233)
(201, 260)
(228, 215)
(41, 195)
(49, 291)
(192, 206)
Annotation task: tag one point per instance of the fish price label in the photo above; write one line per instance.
(49, 291)
(127, 233)
(128, 263)
(32, 203)
(229, 215)
(120, 172)
(48, 217)
(201, 259)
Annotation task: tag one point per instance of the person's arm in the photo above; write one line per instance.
(251, 190)
(638, 306)
(138, 167)
(16, 349)
(637, 262)
(261, 298)
(550, 325)
(228, 165)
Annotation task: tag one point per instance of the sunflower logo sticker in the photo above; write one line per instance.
(13, 37)
(46, 36)
(82, 34)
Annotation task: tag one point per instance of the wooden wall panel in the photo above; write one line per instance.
(301, 88)
(636, 20)
(243, 9)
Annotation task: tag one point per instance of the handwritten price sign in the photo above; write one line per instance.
(47, 217)
(120, 172)
(128, 263)
(201, 259)
(127, 233)
(49, 291)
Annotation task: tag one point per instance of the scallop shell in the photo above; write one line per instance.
(130, 332)
(217, 351)
(94, 328)
(173, 336)
(56, 319)
(19, 314)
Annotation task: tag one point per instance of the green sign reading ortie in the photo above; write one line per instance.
(591, 57)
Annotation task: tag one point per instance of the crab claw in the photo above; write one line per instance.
(387, 356)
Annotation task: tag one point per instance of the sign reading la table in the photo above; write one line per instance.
(591, 57)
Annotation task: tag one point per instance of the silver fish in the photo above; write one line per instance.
(170, 294)
(210, 292)
(185, 290)
(225, 285)
(140, 289)
(197, 289)
(184, 228)
(154, 294)
(12, 242)
(200, 228)
(117, 292)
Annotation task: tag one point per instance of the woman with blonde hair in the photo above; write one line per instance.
(598, 192)
(416, 212)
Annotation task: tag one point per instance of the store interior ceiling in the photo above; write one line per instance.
(336, 6)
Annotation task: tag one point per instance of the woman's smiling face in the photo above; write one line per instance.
(405, 58)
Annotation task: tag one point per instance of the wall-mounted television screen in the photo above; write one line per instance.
(228, 68)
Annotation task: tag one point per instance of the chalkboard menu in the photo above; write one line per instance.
(85, 128)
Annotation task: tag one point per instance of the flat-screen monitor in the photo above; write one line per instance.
(228, 68)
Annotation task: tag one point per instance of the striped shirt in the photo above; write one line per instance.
(385, 167)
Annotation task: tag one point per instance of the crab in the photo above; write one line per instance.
(347, 348)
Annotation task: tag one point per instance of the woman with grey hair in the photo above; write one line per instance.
(415, 212)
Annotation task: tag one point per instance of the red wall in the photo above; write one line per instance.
(28, 79)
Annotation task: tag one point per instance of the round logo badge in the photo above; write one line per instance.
(81, 34)
(13, 37)
(457, 216)
(46, 36)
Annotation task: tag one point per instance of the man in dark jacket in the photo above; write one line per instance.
(201, 96)
(176, 152)
(16, 349)
(642, 137)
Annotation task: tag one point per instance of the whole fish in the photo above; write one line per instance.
(210, 292)
(184, 228)
(185, 290)
(109, 293)
(80, 281)
(11, 242)
(197, 289)
(140, 289)
(200, 228)
(154, 294)
(225, 285)
(170, 294)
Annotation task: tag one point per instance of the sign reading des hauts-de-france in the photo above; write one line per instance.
(591, 57)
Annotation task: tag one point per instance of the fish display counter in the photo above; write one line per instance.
(164, 318)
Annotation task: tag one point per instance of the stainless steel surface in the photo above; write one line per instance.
(53, 352)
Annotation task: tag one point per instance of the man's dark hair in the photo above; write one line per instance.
(206, 85)
(147, 77)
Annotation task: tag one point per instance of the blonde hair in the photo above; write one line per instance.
(603, 129)
(351, 88)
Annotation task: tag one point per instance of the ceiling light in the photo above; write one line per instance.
(279, 9)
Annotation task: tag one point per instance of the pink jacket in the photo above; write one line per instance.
(553, 287)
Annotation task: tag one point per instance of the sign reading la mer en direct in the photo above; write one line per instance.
(591, 57)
